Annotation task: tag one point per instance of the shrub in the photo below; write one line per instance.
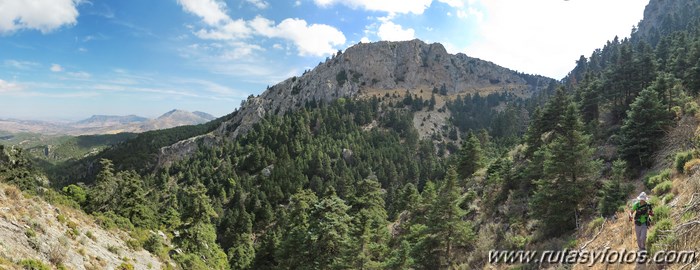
(663, 187)
(109, 220)
(688, 166)
(654, 200)
(32, 264)
(691, 108)
(154, 244)
(687, 216)
(90, 235)
(72, 233)
(61, 218)
(30, 233)
(677, 111)
(653, 179)
(190, 261)
(57, 254)
(12, 192)
(681, 159)
(657, 231)
(125, 266)
(113, 249)
(57, 198)
(594, 224)
(668, 197)
(517, 241)
(134, 244)
(72, 225)
(661, 212)
(76, 193)
(341, 77)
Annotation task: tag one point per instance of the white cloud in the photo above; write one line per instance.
(313, 39)
(56, 68)
(365, 40)
(393, 32)
(547, 37)
(453, 3)
(8, 87)
(80, 75)
(297, 3)
(390, 6)
(213, 87)
(211, 11)
(240, 50)
(310, 39)
(471, 12)
(42, 15)
(22, 65)
(234, 29)
(261, 4)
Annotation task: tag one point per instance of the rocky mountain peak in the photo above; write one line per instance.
(367, 69)
(384, 65)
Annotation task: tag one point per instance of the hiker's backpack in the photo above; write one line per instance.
(645, 209)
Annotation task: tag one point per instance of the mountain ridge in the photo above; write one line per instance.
(107, 124)
(365, 70)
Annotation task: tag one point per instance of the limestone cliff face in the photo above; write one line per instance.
(382, 66)
(372, 67)
(665, 16)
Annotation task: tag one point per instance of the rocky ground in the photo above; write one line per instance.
(31, 228)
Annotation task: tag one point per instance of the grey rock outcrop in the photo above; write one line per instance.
(378, 66)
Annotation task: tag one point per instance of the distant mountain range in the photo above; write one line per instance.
(107, 124)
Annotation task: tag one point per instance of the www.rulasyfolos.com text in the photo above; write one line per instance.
(590, 257)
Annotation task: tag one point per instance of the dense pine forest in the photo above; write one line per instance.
(350, 184)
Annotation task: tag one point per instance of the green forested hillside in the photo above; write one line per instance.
(351, 185)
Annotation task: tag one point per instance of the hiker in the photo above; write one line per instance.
(642, 219)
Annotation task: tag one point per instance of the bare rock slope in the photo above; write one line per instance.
(33, 229)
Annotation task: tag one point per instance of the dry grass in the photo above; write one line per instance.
(57, 254)
(691, 166)
(13, 193)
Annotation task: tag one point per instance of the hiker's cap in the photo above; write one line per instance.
(643, 197)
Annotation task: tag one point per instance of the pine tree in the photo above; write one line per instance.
(242, 254)
(102, 195)
(590, 99)
(369, 226)
(552, 112)
(132, 202)
(431, 103)
(644, 126)
(401, 258)
(470, 156)
(447, 222)
(329, 233)
(295, 250)
(197, 234)
(612, 194)
(567, 167)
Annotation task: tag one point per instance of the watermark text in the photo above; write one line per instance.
(590, 257)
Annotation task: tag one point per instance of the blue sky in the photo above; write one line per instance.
(69, 59)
